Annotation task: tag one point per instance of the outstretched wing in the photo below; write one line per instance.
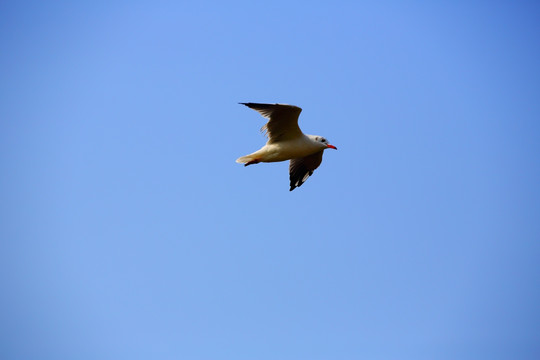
(282, 120)
(301, 169)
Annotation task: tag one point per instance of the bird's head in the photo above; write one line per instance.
(324, 142)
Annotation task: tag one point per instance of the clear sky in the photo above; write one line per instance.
(129, 232)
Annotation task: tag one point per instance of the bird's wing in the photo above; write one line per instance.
(282, 120)
(302, 168)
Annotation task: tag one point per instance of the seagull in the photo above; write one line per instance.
(287, 142)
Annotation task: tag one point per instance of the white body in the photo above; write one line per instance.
(299, 147)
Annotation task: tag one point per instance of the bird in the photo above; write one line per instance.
(287, 142)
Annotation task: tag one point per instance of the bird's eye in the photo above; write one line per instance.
(323, 140)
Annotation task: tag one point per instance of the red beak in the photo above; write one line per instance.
(331, 147)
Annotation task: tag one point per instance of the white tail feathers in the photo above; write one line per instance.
(245, 159)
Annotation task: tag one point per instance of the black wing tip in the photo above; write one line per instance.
(252, 104)
(296, 179)
(296, 183)
(264, 105)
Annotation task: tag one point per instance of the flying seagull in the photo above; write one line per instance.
(287, 142)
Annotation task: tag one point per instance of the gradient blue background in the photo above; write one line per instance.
(129, 232)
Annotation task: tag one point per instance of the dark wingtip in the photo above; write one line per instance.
(295, 185)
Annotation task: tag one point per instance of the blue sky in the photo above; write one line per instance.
(129, 232)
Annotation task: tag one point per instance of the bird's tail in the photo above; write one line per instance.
(250, 159)
(245, 159)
